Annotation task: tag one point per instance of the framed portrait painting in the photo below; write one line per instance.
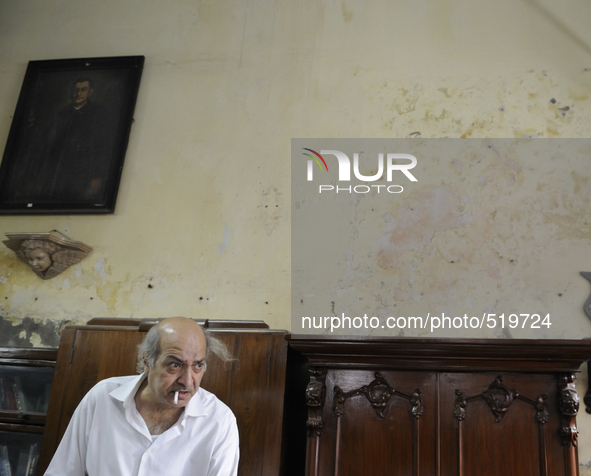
(69, 134)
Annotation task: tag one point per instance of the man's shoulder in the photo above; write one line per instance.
(107, 385)
(213, 405)
(210, 400)
(117, 381)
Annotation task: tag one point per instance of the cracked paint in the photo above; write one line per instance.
(28, 332)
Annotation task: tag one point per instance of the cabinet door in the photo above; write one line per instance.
(494, 424)
(378, 423)
(19, 451)
(24, 393)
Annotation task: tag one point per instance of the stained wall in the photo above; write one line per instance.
(202, 224)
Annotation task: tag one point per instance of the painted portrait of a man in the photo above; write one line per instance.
(68, 139)
(80, 141)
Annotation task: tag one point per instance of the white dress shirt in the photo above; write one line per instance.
(108, 437)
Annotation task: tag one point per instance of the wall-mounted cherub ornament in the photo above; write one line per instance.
(48, 254)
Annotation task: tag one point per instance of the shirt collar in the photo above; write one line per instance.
(195, 407)
(127, 391)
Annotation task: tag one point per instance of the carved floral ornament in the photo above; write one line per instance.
(568, 404)
(47, 254)
(499, 398)
(378, 394)
(568, 401)
(315, 395)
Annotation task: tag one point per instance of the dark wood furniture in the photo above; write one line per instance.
(424, 407)
(25, 381)
(253, 386)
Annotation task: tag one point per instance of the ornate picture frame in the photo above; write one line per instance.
(68, 138)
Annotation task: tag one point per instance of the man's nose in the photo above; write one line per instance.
(185, 376)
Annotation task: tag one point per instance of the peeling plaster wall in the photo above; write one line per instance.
(202, 226)
(490, 226)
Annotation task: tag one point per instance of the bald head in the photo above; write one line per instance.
(149, 349)
(173, 331)
(178, 326)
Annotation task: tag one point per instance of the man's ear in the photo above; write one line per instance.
(146, 366)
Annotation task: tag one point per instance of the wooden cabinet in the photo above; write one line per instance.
(26, 377)
(443, 407)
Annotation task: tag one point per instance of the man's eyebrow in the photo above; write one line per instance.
(174, 357)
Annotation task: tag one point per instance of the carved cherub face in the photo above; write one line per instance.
(47, 254)
(39, 255)
(39, 260)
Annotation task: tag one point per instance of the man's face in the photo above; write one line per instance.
(39, 260)
(179, 367)
(81, 93)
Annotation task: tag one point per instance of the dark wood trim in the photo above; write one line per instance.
(18, 417)
(518, 355)
(245, 330)
(146, 324)
(543, 458)
(416, 448)
(28, 356)
(337, 458)
(56, 399)
(460, 449)
(21, 428)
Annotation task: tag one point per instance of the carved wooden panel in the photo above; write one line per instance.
(381, 419)
(442, 407)
(505, 423)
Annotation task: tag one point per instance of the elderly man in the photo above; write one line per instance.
(157, 423)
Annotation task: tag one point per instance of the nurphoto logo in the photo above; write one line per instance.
(392, 161)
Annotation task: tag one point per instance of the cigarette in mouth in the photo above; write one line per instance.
(176, 398)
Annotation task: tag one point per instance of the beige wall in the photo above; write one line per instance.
(203, 207)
